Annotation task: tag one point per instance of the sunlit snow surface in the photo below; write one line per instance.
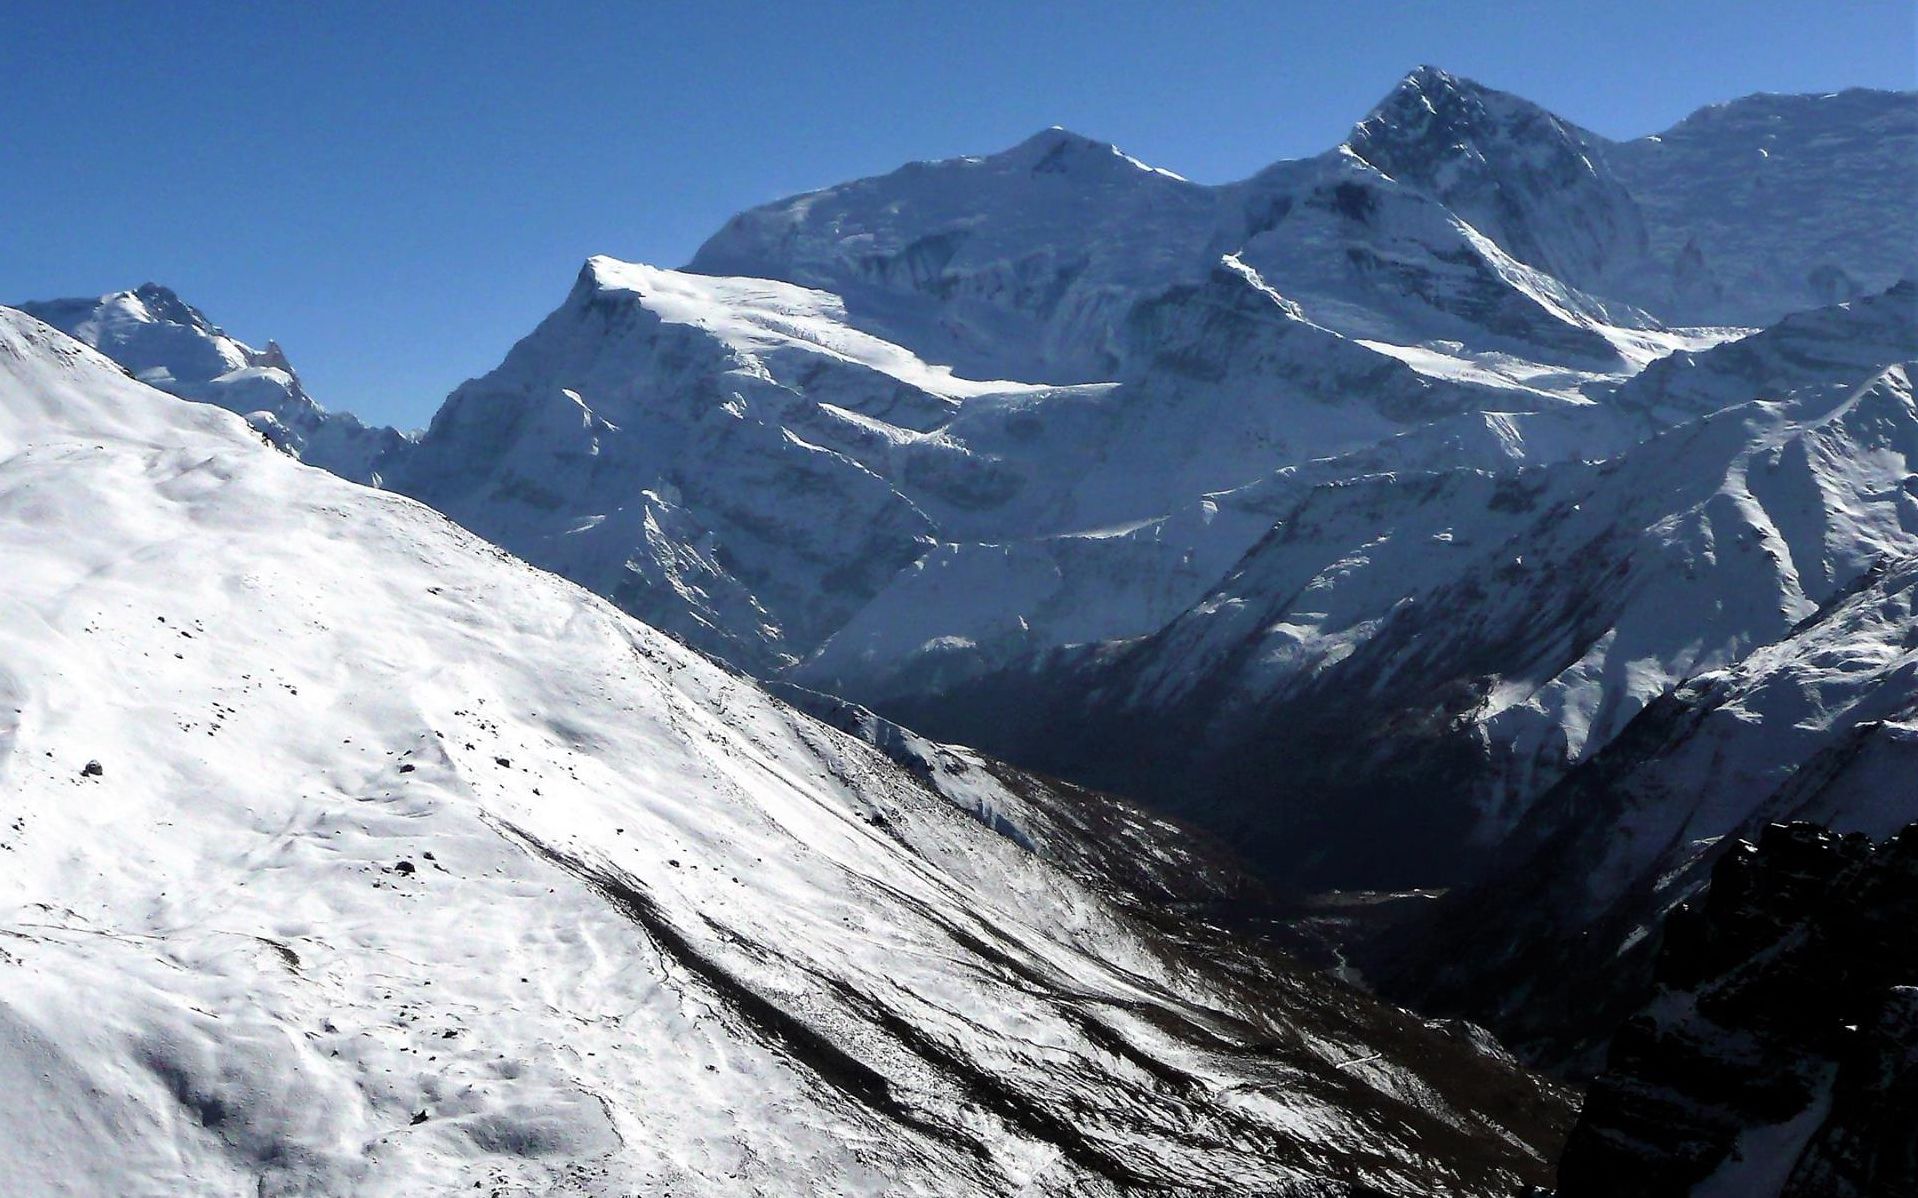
(169, 344)
(406, 868)
(763, 315)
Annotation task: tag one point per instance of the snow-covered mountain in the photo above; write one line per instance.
(167, 343)
(1818, 726)
(1742, 213)
(900, 432)
(650, 441)
(1535, 184)
(1308, 454)
(1020, 264)
(1377, 690)
(1130, 363)
(1030, 263)
(734, 460)
(1774, 203)
(346, 853)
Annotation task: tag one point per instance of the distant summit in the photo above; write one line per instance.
(1534, 183)
(168, 343)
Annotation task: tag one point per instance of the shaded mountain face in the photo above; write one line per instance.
(1779, 1052)
(1557, 945)
(348, 853)
(1742, 213)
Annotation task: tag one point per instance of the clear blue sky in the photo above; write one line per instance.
(399, 191)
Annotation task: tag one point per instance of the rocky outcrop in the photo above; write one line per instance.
(1778, 1053)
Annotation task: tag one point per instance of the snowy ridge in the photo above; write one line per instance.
(1027, 263)
(1834, 344)
(1018, 264)
(764, 318)
(406, 866)
(167, 343)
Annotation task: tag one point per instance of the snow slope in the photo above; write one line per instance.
(167, 343)
(649, 440)
(348, 854)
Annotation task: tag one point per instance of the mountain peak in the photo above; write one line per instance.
(1531, 181)
(1427, 89)
(1058, 150)
(602, 271)
(1426, 77)
(1053, 136)
(163, 305)
(1429, 99)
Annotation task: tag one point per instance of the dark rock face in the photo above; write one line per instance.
(1869, 1145)
(1778, 1054)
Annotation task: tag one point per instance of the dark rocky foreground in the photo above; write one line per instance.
(1778, 1053)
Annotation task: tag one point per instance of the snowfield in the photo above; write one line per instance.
(346, 853)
